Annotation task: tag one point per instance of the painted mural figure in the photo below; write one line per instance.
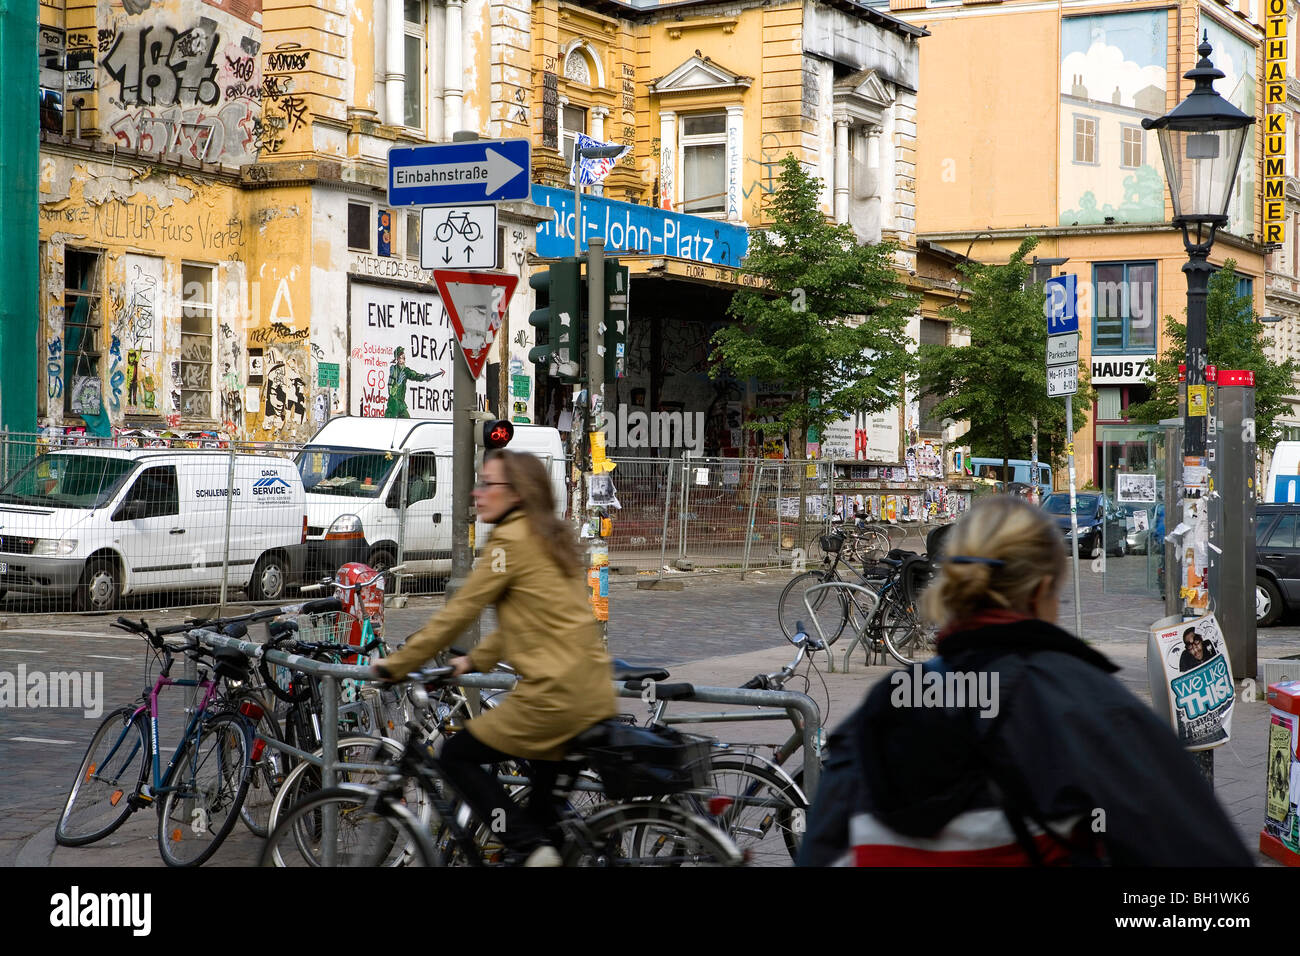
(398, 376)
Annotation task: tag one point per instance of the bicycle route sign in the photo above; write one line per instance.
(458, 237)
(453, 174)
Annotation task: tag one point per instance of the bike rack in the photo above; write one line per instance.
(782, 700)
(862, 632)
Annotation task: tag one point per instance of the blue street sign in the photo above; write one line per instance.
(451, 174)
(1061, 305)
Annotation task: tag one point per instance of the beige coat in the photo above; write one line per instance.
(547, 634)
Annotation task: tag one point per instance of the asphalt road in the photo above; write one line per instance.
(714, 616)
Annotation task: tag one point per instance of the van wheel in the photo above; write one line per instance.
(381, 559)
(270, 578)
(100, 588)
(1268, 603)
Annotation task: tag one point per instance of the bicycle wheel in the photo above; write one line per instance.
(443, 231)
(206, 791)
(908, 638)
(110, 773)
(370, 830)
(268, 770)
(472, 231)
(831, 606)
(649, 834)
(767, 816)
(305, 778)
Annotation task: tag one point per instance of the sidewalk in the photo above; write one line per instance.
(1239, 765)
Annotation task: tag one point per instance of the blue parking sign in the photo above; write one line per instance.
(1061, 305)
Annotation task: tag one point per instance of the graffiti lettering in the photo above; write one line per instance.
(229, 235)
(287, 62)
(105, 40)
(241, 67)
(156, 65)
(278, 331)
(295, 108)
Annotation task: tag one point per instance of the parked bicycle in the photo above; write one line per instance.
(200, 791)
(353, 825)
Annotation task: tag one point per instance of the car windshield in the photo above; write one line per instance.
(1059, 504)
(67, 481)
(344, 471)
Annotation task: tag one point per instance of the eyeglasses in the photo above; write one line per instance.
(489, 484)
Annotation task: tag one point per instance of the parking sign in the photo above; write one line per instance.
(1061, 305)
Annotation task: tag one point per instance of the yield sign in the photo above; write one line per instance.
(476, 302)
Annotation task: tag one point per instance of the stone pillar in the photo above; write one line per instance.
(735, 161)
(598, 114)
(452, 92)
(667, 159)
(435, 43)
(395, 66)
(841, 170)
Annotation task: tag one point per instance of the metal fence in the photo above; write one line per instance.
(144, 521)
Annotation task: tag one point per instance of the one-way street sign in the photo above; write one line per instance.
(453, 174)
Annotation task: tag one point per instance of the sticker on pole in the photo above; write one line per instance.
(1197, 677)
(476, 303)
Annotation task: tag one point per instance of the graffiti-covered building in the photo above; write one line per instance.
(218, 253)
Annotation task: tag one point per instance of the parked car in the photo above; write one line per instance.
(1099, 521)
(100, 524)
(1139, 541)
(1277, 561)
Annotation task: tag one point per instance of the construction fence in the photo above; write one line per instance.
(145, 521)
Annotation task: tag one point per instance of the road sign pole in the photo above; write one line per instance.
(1074, 516)
(598, 564)
(462, 460)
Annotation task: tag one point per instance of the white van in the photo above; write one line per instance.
(353, 483)
(102, 523)
(1283, 483)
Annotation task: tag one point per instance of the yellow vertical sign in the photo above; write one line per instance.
(1275, 57)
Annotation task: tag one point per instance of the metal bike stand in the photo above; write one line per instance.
(858, 638)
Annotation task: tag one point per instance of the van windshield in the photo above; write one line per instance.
(67, 481)
(358, 472)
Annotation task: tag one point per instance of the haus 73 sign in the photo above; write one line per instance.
(1120, 370)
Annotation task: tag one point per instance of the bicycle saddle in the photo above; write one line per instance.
(625, 671)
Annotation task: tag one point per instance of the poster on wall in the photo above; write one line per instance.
(402, 339)
(873, 436)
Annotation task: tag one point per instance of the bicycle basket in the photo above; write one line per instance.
(332, 627)
(831, 543)
(651, 762)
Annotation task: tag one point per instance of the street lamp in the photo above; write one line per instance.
(579, 154)
(1201, 141)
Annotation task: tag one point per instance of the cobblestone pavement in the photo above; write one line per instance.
(718, 630)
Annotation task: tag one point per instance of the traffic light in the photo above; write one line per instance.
(560, 285)
(496, 434)
(617, 281)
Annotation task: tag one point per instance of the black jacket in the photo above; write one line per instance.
(1068, 741)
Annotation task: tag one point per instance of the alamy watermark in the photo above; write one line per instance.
(73, 690)
(76, 909)
(921, 688)
(635, 428)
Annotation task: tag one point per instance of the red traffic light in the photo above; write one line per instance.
(497, 434)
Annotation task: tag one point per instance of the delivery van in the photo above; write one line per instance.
(1283, 485)
(102, 523)
(352, 477)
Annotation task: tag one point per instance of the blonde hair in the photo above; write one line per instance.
(1002, 528)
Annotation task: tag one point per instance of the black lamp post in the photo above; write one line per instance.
(1201, 140)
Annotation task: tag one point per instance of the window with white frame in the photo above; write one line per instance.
(1130, 146)
(575, 122)
(1085, 140)
(198, 311)
(704, 162)
(413, 235)
(413, 65)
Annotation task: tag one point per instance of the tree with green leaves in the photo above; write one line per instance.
(829, 323)
(999, 381)
(1236, 340)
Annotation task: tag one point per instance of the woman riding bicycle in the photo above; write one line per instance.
(1058, 764)
(530, 569)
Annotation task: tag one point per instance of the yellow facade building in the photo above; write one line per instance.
(1030, 124)
(219, 255)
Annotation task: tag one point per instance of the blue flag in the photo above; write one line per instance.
(592, 171)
